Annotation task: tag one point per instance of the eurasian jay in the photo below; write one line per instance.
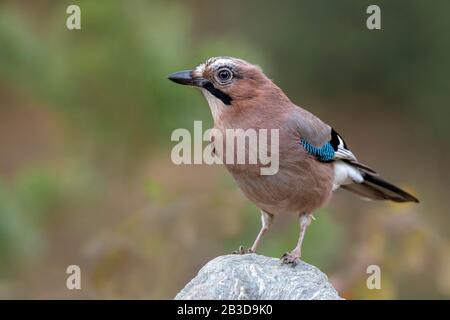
(314, 159)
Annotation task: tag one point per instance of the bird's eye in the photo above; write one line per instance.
(224, 75)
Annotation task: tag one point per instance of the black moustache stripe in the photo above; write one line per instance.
(226, 99)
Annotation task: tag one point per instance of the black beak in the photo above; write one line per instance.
(185, 78)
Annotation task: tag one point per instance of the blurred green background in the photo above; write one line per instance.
(85, 123)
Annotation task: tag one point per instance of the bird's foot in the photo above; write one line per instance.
(290, 258)
(242, 250)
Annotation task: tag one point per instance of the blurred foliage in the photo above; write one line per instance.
(85, 123)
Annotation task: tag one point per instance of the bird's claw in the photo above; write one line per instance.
(290, 258)
(242, 250)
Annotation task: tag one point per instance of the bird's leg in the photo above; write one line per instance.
(293, 257)
(266, 222)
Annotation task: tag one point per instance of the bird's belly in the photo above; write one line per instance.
(301, 184)
(298, 188)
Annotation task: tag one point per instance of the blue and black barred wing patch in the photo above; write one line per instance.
(325, 153)
(334, 149)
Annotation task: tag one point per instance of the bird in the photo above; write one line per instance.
(314, 159)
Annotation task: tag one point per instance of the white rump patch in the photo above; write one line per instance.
(344, 173)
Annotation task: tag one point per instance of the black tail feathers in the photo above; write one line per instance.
(375, 188)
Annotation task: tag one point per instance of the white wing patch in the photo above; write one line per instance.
(342, 152)
(347, 169)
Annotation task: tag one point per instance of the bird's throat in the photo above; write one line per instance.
(216, 105)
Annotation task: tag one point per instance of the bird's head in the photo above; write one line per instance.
(228, 82)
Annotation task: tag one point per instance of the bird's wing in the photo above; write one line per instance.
(303, 124)
(321, 140)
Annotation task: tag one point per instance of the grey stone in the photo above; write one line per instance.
(256, 277)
